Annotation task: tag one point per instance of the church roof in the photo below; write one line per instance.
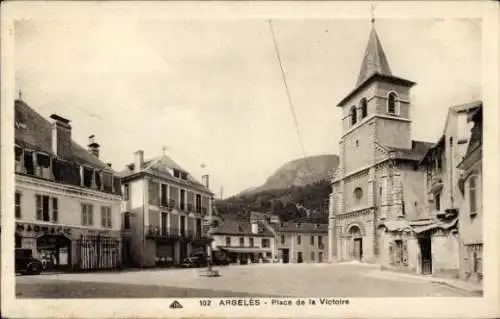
(375, 60)
(374, 67)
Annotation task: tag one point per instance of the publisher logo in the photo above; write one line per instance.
(175, 305)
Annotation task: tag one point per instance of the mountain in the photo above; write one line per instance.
(298, 190)
(299, 172)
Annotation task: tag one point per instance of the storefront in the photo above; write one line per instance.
(245, 255)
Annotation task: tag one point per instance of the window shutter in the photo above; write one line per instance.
(38, 207)
(103, 217)
(83, 214)
(55, 209)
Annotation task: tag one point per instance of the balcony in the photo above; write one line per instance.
(158, 232)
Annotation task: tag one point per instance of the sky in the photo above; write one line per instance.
(211, 91)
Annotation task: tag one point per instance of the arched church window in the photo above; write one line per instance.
(391, 103)
(352, 114)
(364, 108)
(358, 193)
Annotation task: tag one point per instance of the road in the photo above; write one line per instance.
(287, 280)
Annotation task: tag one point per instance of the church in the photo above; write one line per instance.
(380, 207)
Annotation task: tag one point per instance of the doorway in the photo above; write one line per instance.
(54, 251)
(358, 249)
(426, 255)
(286, 256)
(299, 257)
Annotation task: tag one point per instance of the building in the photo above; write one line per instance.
(299, 242)
(394, 200)
(471, 212)
(376, 180)
(244, 241)
(163, 211)
(67, 201)
(436, 228)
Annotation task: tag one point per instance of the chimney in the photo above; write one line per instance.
(93, 147)
(138, 160)
(206, 181)
(255, 227)
(61, 136)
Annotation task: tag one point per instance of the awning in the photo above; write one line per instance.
(442, 225)
(245, 249)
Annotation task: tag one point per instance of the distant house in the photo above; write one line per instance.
(163, 211)
(67, 201)
(299, 242)
(244, 241)
(471, 210)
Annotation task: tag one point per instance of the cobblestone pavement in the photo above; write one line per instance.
(291, 280)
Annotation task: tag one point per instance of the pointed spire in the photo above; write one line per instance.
(374, 60)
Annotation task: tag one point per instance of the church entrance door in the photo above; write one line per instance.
(358, 249)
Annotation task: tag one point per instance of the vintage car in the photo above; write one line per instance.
(26, 264)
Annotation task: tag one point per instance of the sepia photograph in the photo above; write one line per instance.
(245, 161)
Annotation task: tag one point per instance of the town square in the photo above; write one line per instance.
(268, 157)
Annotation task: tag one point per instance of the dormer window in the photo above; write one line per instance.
(352, 114)
(98, 181)
(392, 100)
(19, 159)
(88, 175)
(364, 108)
(43, 165)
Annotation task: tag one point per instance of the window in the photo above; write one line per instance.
(183, 199)
(357, 143)
(126, 220)
(87, 215)
(320, 241)
(312, 256)
(126, 192)
(472, 194)
(358, 193)
(282, 239)
(106, 217)
(43, 208)
(18, 205)
(98, 182)
(43, 166)
(228, 241)
(251, 242)
(380, 191)
(320, 257)
(352, 114)
(28, 163)
(312, 240)
(364, 108)
(163, 195)
(266, 243)
(88, 175)
(299, 240)
(198, 203)
(437, 199)
(391, 103)
(183, 225)
(107, 182)
(55, 210)
(153, 192)
(403, 208)
(242, 241)
(198, 226)
(19, 159)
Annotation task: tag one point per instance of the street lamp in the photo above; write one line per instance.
(209, 272)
